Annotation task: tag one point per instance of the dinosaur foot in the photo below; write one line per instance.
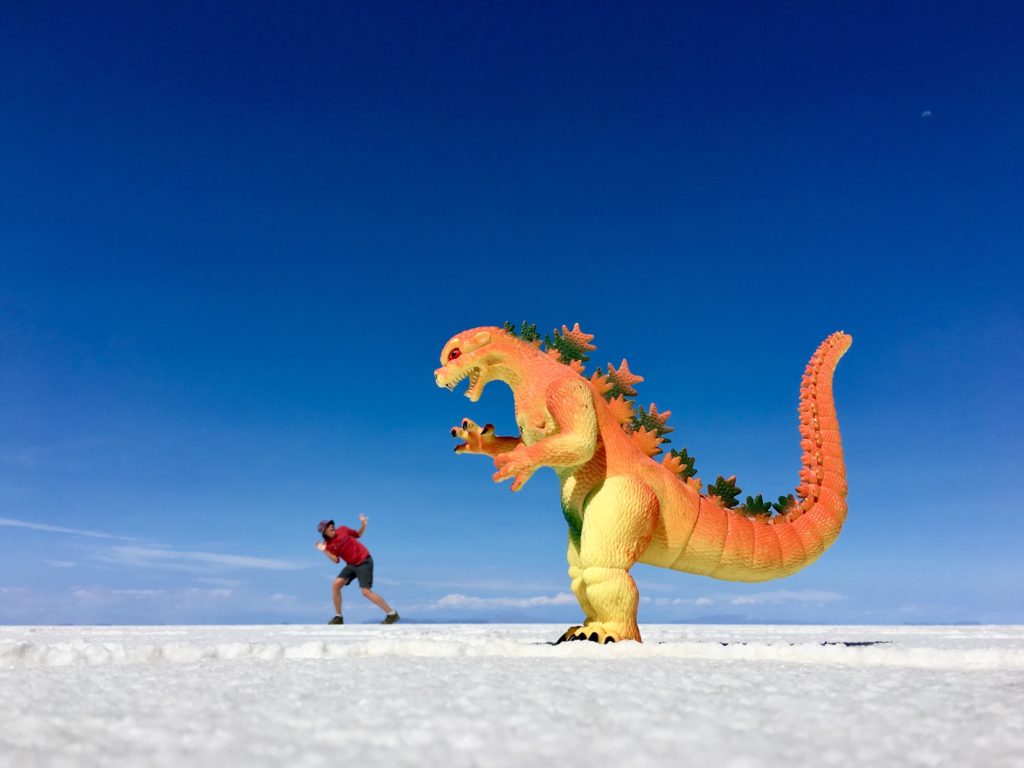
(593, 633)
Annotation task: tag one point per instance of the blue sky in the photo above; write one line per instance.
(233, 241)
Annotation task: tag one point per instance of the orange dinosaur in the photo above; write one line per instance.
(622, 506)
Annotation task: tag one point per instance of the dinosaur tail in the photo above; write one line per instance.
(728, 545)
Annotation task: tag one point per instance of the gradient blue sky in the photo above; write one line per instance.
(234, 239)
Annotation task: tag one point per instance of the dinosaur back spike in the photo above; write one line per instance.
(570, 346)
(724, 491)
(622, 410)
(654, 421)
(622, 380)
(647, 440)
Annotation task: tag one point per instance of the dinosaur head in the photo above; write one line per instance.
(482, 355)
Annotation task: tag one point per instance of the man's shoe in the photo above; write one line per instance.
(391, 618)
(336, 620)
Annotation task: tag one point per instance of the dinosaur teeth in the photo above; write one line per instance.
(473, 374)
(474, 378)
(458, 380)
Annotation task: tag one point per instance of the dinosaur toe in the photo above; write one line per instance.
(592, 633)
(567, 635)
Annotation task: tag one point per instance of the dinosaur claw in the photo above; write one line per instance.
(567, 635)
(589, 633)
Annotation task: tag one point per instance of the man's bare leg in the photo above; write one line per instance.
(336, 594)
(377, 600)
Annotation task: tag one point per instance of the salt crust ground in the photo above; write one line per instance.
(501, 695)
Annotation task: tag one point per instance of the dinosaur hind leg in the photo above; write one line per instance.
(618, 521)
(577, 584)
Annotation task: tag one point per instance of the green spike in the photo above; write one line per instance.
(528, 332)
(644, 420)
(617, 388)
(785, 504)
(567, 349)
(726, 491)
(756, 506)
(687, 461)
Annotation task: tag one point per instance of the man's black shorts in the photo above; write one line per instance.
(363, 572)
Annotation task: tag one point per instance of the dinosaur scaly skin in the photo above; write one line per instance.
(623, 507)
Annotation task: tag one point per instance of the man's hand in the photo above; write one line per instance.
(322, 546)
(362, 518)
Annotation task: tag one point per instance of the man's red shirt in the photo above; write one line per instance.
(347, 546)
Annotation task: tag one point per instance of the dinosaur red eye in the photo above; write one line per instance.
(454, 353)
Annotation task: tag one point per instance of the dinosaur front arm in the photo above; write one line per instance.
(570, 404)
(477, 440)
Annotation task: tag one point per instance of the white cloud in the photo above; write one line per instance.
(788, 596)
(654, 586)
(468, 601)
(187, 560)
(106, 596)
(67, 453)
(217, 582)
(696, 601)
(497, 585)
(86, 604)
(60, 529)
(60, 563)
(83, 593)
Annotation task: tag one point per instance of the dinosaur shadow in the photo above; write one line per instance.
(847, 643)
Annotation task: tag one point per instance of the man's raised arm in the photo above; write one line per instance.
(322, 546)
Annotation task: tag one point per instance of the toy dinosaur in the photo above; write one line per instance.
(622, 506)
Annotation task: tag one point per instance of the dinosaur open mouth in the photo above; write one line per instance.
(475, 387)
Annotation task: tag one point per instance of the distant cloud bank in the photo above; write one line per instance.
(191, 560)
(788, 596)
(467, 601)
(60, 529)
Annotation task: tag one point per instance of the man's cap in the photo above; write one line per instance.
(323, 525)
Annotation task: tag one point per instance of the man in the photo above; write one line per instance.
(342, 543)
